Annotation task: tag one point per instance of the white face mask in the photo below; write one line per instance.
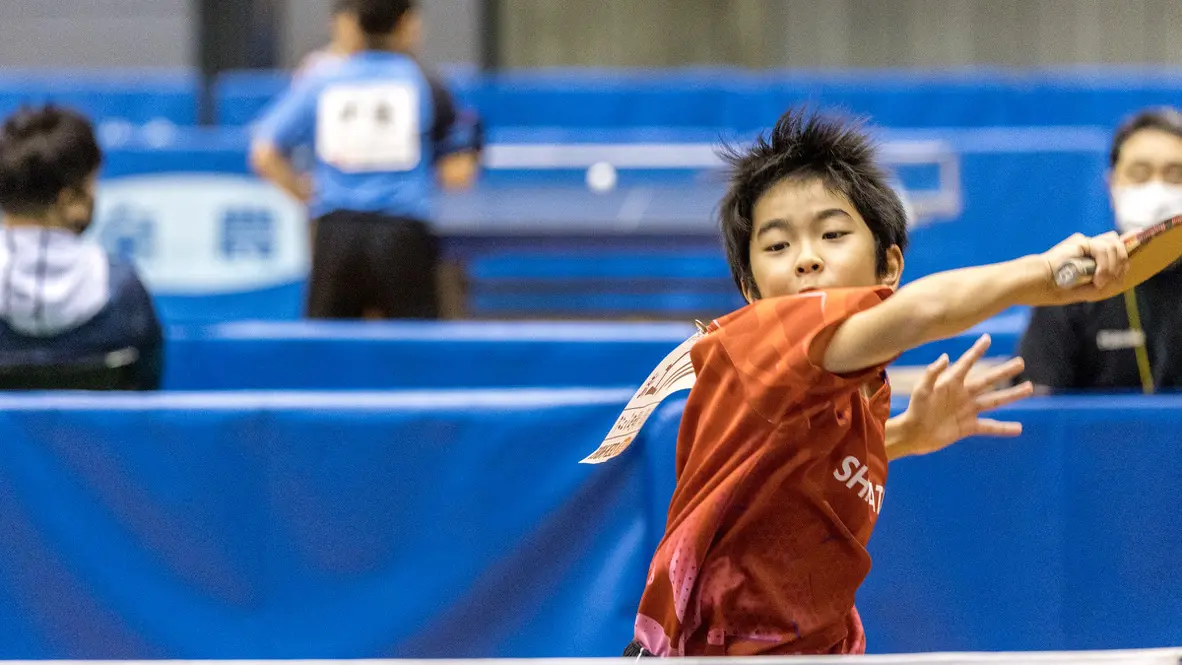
(1139, 206)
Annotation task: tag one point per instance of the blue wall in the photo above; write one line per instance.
(733, 100)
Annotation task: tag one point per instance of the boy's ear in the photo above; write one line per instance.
(894, 267)
(749, 293)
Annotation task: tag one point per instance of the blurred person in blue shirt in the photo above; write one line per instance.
(63, 300)
(382, 131)
(1132, 341)
(347, 39)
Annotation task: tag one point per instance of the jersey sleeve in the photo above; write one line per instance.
(453, 129)
(777, 346)
(1050, 346)
(291, 121)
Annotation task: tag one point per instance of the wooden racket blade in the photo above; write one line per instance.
(1151, 250)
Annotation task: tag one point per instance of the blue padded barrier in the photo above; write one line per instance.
(240, 97)
(458, 524)
(361, 356)
(341, 355)
(733, 100)
(304, 526)
(135, 97)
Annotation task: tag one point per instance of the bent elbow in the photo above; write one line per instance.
(458, 171)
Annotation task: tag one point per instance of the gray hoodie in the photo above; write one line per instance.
(51, 280)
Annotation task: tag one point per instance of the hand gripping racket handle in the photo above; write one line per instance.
(1073, 272)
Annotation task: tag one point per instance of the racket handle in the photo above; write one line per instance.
(1073, 272)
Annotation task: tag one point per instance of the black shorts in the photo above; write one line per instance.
(366, 263)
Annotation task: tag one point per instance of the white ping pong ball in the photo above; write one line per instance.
(601, 177)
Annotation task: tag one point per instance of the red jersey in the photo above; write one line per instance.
(780, 473)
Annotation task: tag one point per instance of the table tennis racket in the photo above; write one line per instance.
(1151, 250)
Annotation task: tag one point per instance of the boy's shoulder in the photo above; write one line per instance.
(771, 348)
(799, 315)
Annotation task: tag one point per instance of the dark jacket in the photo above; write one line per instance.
(63, 300)
(1092, 346)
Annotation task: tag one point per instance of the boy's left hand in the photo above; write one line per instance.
(946, 404)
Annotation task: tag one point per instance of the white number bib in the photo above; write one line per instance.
(369, 127)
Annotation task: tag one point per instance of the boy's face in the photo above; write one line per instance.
(806, 237)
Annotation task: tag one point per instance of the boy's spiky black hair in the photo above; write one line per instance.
(806, 145)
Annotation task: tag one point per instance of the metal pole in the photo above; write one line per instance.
(236, 34)
(490, 34)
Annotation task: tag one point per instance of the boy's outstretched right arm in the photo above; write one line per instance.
(948, 303)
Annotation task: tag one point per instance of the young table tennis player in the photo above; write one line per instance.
(783, 447)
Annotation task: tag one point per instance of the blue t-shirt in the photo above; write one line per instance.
(376, 123)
